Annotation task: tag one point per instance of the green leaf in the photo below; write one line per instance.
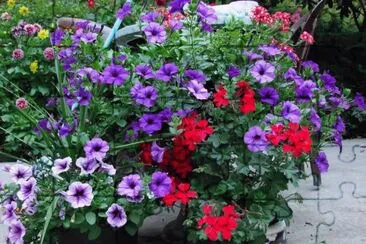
(91, 218)
(131, 228)
(94, 232)
(135, 217)
(48, 217)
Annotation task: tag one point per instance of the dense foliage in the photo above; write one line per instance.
(217, 119)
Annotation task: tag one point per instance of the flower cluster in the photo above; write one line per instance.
(219, 227)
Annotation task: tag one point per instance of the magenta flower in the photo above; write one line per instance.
(49, 54)
(79, 195)
(16, 232)
(322, 162)
(115, 75)
(87, 166)
(263, 72)
(155, 33)
(96, 149)
(130, 186)
(61, 165)
(20, 172)
(21, 103)
(198, 90)
(150, 123)
(27, 189)
(124, 11)
(116, 216)
(18, 54)
(166, 72)
(160, 184)
(291, 112)
(256, 140)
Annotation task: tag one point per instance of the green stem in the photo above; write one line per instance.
(14, 157)
(83, 113)
(166, 135)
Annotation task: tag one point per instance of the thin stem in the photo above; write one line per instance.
(166, 135)
(14, 157)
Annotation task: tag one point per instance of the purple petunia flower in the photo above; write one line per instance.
(107, 168)
(166, 115)
(144, 71)
(155, 33)
(256, 140)
(290, 74)
(116, 216)
(157, 152)
(87, 166)
(339, 125)
(160, 184)
(79, 195)
(56, 37)
(89, 37)
(175, 25)
(135, 90)
(130, 186)
(115, 75)
(27, 189)
(303, 94)
(30, 206)
(311, 65)
(338, 140)
(150, 17)
(263, 72)
(198, 90)
(181, 113)
(252, 56)
(329, 83)
(150, 123)
(16, 233)
(291, 112)
(269, 95)
(322, 162)
(65, 129)
(9, 212)
(197, 75)
(147, 96)
(207, 16)
(270, 50)
(20, 172)
(233, 71)
(83, 96)
(124, 11)
(315, 120)
(166, 72)
(177, 5)
(359, 101)
(96, 149)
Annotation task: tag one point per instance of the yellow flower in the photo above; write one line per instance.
(11, 3)
(43, 34)
(34, 66)
(23, 10)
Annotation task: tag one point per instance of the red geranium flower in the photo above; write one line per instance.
(182, 194)
(219, 97)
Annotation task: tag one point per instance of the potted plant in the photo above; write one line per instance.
(216, 119)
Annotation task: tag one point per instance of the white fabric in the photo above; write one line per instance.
(240, 10)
